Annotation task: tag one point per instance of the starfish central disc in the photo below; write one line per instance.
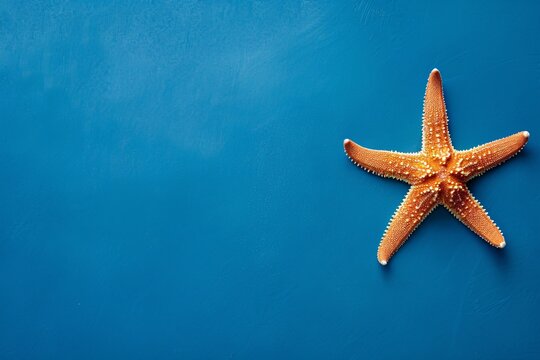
(442, 174)
(437, 174)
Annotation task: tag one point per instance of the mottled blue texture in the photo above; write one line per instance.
(173, 183)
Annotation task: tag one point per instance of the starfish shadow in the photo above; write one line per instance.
(387, 271)
(502, 258)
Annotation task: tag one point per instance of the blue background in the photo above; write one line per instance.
(173, 183)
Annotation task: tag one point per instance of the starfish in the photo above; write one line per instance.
(437, 174)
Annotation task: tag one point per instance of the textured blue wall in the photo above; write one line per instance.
(173, 184)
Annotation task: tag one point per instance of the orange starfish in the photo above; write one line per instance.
(437, 175)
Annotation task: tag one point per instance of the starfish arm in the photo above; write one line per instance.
(417, 204)
(476, 161)
(435, 136)
(468, 210)
(410, 168)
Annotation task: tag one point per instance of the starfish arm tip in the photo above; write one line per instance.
(502, 245)
(346, 141)
(526, 134)
(435, 70)
(383, 262)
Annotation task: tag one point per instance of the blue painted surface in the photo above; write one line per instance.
(173, 184)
